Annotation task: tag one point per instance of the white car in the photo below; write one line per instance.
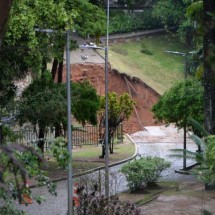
(92, 44)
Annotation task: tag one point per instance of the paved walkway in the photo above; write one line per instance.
(84, 56)
(155, 141)
(159, 141)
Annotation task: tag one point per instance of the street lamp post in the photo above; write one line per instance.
(69, 124)
(107, 192)
(185, 129)
(106, 115)
(184, 54)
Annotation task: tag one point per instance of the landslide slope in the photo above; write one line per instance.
(143, 95)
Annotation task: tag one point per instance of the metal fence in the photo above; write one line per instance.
(87, 135)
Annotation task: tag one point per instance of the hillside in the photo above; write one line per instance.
(143, 76)
(143, 95)
(146, 59)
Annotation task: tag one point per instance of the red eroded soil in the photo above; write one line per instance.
(120, 83)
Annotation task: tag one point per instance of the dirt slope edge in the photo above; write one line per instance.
(144, 96)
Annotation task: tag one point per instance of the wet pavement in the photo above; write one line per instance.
(84, 55)
(154, 141)
(159, 141)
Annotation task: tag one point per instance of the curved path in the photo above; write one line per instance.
(155, 141)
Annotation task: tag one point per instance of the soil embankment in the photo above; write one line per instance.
(143, 95)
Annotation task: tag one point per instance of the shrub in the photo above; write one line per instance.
(93, 204)
(145, 49)
(145, 171)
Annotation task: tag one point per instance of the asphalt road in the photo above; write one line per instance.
(84, 55)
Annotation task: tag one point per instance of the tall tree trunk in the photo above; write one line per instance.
(185, 148)
(44, 65)
(58, 132)
(54, 68)
(103, 150)
(41, 142)
(5, 6)
(60, 72)
(1, 135)
(209, 71)
(111, 142)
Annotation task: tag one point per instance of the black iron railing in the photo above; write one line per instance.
(86, 135)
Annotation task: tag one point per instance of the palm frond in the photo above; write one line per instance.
(206, 212)
(181, 156)
(198, 141)
(182, 153)
(198, 127)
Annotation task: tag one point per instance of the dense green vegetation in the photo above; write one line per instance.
(121, 22)
(183, 101)
(43, 97)
(143, 172)
(120, 109)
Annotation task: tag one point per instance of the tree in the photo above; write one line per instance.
(202, 13)
(85, 102)
(19, 164)
(22, 48)
(173, 14)
(50, 14)
(43, 97)
(91, 19)
(184, 100)
(209, 68)
(119, 109)
(181, 102)
(39, 14)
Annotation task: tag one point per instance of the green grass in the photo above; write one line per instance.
(159, 70)
(121, 151)
(87, 157)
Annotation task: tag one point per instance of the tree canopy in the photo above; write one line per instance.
(44, 104)
(179, 15)
(184, 100)
(91, 19)
(120, 108)
(43, 97)
(23, 48)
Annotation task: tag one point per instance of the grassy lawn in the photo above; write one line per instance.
(159, 70)
(121, 151)
(87, 157)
